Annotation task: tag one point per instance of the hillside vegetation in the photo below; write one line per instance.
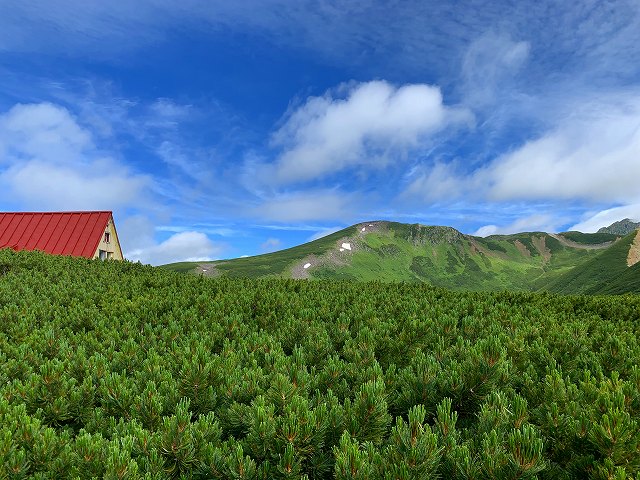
(441, 256)
(120, 371)
(605, 273)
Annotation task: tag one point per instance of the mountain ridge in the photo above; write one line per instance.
(621, 227)
(439, 255)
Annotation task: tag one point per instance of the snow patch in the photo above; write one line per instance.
(306, 265)
(364, 228)
(346, 246)
(342, 249)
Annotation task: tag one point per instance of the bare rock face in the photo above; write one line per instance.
(622, 227)
(634, 251)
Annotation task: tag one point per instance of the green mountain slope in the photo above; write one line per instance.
(605, 273)
(441, 256)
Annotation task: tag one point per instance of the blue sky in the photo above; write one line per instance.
(220, 129)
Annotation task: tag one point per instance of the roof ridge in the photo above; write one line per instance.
(59, 212)
(52, 232)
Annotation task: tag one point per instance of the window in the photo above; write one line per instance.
(102, 254)
(107, 237)
(109, 255)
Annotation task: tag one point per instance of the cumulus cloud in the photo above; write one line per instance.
(591, 155)
(180, 247)
(49, 161)
(51, 187)
(373, 123)
(607, 217)
(41, 130)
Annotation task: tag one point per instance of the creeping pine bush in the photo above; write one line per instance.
(121, 371)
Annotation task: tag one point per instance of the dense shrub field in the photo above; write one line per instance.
(116, 370)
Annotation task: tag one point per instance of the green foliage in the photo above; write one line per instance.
(589, 238)
(117, 370)
(606, 273)
(495, 246)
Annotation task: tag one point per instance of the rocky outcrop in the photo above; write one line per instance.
(622, 227)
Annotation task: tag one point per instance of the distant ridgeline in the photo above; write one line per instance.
(623, 227)
(122, 371)
(568, 262)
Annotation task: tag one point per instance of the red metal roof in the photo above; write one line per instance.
(61, 233)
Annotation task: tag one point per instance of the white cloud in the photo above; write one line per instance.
(52, 187)
(306, 206)
(592, 159)
(48, 161)
(592, 156)
(43, 131)
(374, 123)
(607, 217)
(180, 247)
(531, 223)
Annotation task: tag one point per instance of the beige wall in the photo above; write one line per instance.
(113, 246)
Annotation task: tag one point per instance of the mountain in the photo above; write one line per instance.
(614, 270)
(438, 255)
(622, 227)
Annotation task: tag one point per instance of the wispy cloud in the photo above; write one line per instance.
(319, 205)
(295, 228)
(408, 33)
(271, 245)
(489, 65)
(220, 231)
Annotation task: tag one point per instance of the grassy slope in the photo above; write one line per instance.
(444, 257)
(274, 264)
(441, 256)
(607, 272)
(589, 238)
